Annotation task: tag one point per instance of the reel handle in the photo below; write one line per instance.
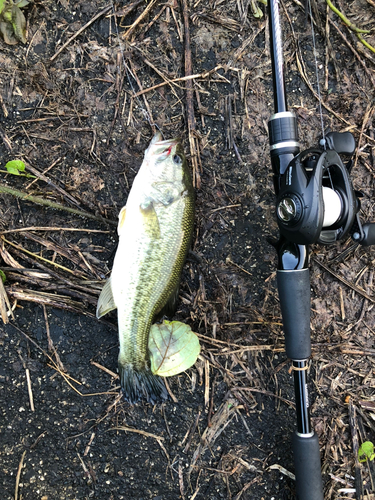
(306, 452)
(341, 142)
(369, 234)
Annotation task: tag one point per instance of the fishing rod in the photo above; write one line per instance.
(315, 203)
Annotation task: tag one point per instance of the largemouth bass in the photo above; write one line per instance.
(155, 230)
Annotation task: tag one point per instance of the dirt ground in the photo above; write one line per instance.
(69, 111)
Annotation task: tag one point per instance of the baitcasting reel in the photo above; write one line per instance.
(316, 202)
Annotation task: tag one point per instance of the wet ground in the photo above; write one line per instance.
(70, 113)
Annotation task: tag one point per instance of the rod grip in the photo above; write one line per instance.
(306, 452)
(294, 294)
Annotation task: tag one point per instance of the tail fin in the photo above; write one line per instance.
(137, 385)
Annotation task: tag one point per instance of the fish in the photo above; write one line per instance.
(155, 230)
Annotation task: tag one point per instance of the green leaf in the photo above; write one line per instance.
(255, 9)
(19, 24)
(15, 167)
(2, 5)
(2, 276)
(173, 348)
(21, 3)
(366, 451)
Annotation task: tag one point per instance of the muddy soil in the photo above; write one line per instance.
(70, 111)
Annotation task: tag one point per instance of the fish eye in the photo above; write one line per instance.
(177, 159)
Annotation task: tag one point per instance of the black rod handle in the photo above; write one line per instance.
(306, 452)
(294, 294)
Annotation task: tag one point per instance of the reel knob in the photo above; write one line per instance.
(289, 209)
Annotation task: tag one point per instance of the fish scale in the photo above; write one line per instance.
(155, 230)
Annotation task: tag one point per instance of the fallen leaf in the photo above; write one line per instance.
(173, 347)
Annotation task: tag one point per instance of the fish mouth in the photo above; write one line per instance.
(162, 148)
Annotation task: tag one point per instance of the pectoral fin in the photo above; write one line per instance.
(121, 220)
(150, 220)
(171, 306)
(105, 302)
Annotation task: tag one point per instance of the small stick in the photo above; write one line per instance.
(206, 383)
(342, 307)
(354, 287)
(5, 111)
(51, 346)
(189, 98)
(101, 367)
(5, 307)
(138, 20)
(43, 173)
(345, 20)
(366, 120)
(353, 427)
(181, 480)
(173, 397)
(186, 78)
(87, 449)
(191, 432)
(136, 431)
(6, 140)
(166, 422)
(19, 476)
(51, 204)
(31, 398)
(229, 261)
(358, 57)
(99, 14)
(46, 228)
(148, 109)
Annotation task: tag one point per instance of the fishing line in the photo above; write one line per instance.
(323, 140)
(130, 76)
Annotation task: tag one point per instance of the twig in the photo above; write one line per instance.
(106, 370)
(206, 383)
(136, 431)
(358, 57)
(345, 20)
(138, 20)
(191, 432)
(51, 346)
(19, 247)
(301, 68)
(51, 204)
(5, 307)
(55, 367)
(365, 122)
(353, 429)
(186, 78)
(19, 475)
(29, 389)
(87, 449)
(6, 139)
(173, 397)
(99, 14)
(41, 176)
(52, 228)
(189, 100)
(346, 282)
(181, 480)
